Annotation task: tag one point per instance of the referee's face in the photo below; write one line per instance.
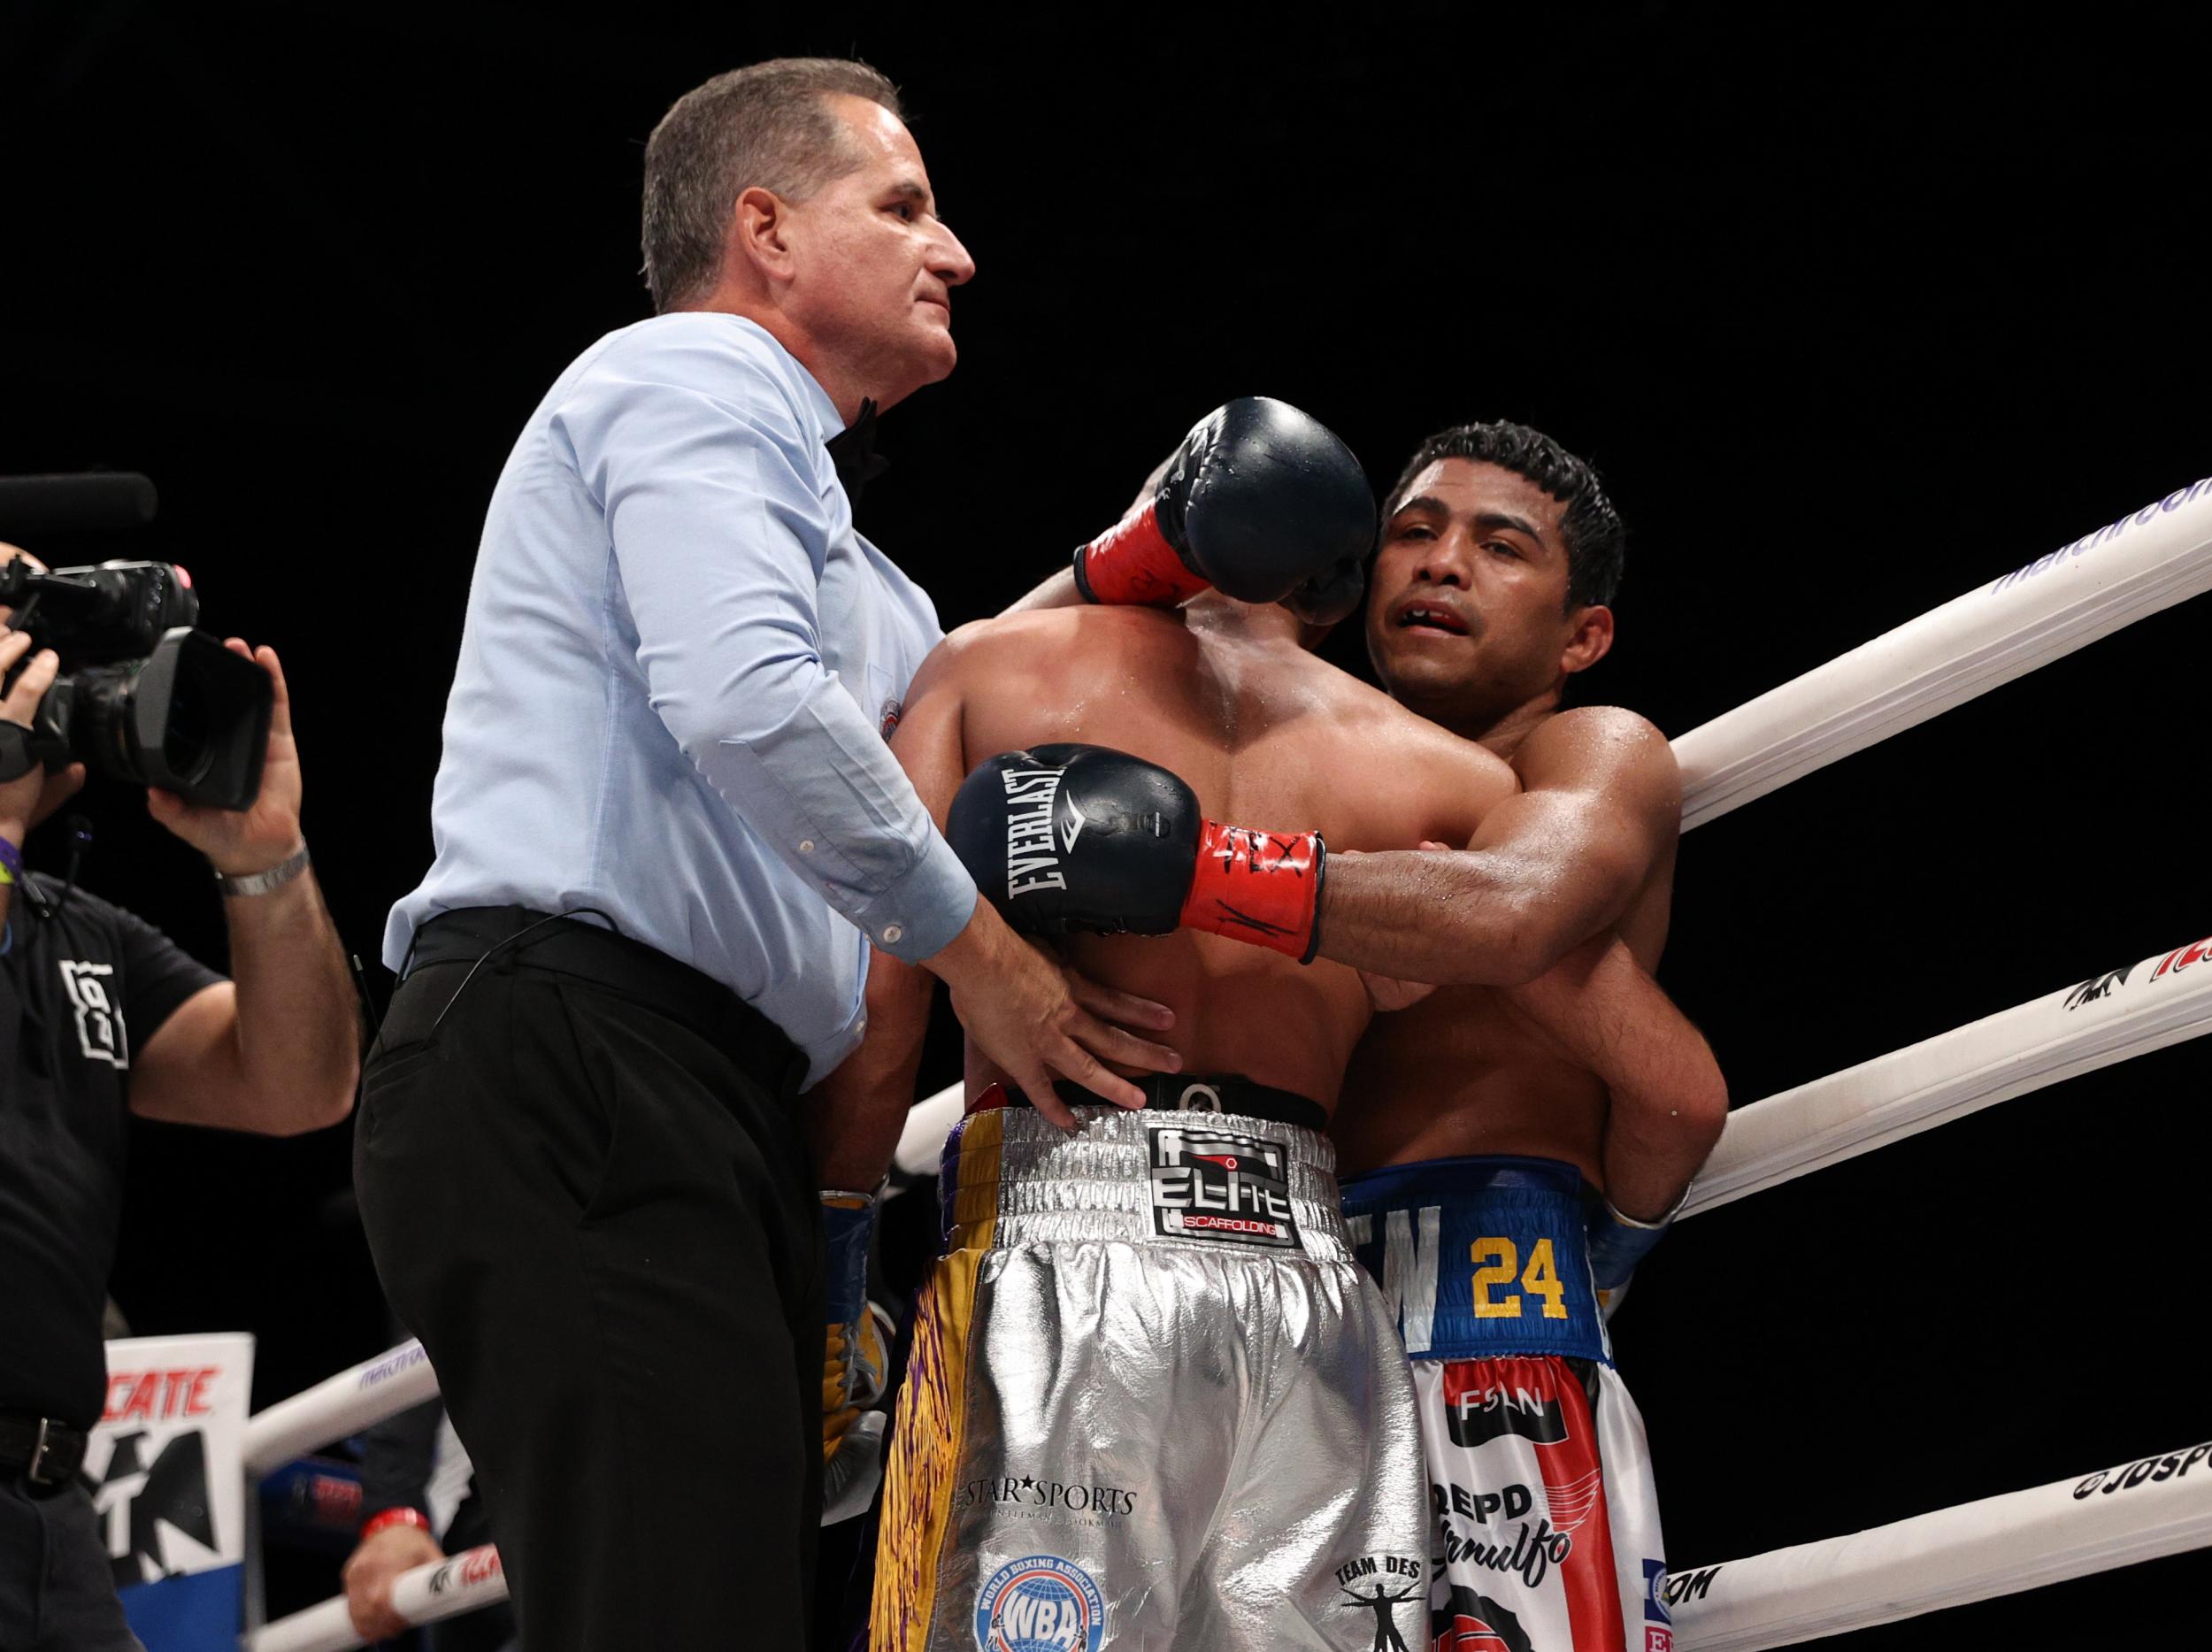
(876, 265)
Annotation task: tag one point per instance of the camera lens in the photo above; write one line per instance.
(192, 717)
(186, 751)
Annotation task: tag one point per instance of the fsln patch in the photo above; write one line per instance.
(1222, 1185)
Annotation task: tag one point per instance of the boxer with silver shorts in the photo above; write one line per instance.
(1151, 1404)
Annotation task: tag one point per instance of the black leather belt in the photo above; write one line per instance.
(519, 937)
(38, 1450)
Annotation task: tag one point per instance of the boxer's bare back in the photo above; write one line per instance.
(1266, 735)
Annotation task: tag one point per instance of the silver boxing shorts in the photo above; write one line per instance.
(1546, 1535)
(1153, 1401)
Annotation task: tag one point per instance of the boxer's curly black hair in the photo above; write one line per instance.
(1593, 529)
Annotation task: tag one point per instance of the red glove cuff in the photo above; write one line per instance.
(1132, 562)
(1258, 886)
(377, 1523)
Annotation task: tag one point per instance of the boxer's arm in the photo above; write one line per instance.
(859, 1109)
(1601, 802)
(1058, 588)
(1603, 1013)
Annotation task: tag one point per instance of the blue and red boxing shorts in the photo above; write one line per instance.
(1546, 1530)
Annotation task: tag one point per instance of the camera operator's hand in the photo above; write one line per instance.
(242, 841)
(29, 798)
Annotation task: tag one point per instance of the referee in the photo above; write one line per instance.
(667, 830)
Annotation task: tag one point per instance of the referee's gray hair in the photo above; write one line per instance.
(766, 125)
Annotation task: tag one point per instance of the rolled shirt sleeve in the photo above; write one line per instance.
(720, 527)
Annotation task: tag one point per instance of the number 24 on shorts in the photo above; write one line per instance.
(1496, 1262)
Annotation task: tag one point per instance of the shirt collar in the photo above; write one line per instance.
(824, 409)
(817, 398)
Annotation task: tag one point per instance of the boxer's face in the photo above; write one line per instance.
(874, 266)
(1467, 615)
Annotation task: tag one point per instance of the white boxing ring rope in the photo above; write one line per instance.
(2143, 562)
(2086, 589)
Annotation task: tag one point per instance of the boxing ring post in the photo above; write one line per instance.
(2143, 562)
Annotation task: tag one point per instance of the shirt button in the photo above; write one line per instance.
(806, 846)
(893, 933)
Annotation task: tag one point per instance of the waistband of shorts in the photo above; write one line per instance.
(1011, 1177)
(1458, 1178)
(1183, 1093)
(1482, 1257)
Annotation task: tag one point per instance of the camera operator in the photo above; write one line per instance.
(100, 1011)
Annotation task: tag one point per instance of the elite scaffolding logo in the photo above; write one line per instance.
(1221, 1184)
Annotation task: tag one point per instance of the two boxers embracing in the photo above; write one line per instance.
(1151, 1388)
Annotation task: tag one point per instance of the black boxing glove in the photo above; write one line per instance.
(1331, 594)
(1261, 502)
(1069, 838)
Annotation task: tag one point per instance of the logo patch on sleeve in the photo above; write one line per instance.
(1217, 1184)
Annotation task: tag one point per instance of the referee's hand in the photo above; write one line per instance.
(1037, 1018)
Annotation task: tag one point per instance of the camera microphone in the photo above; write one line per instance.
(88, 502)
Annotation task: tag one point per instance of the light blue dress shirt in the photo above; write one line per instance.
(678, 666)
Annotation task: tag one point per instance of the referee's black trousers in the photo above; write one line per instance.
(588, 1192)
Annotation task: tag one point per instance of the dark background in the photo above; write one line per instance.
(1853, 314)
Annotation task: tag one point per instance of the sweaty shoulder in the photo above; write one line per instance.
(1062, 640)
(1602, 746)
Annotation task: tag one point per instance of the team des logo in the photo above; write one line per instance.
(1039, 1603)
(888, 718)
(1480, 1415)
(1217, 1184)
(99, 1019)
(1379, 1584)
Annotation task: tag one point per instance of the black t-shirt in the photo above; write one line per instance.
(80, 990)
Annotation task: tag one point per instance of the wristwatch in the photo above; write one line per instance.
(265, 882)
(16, 758)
